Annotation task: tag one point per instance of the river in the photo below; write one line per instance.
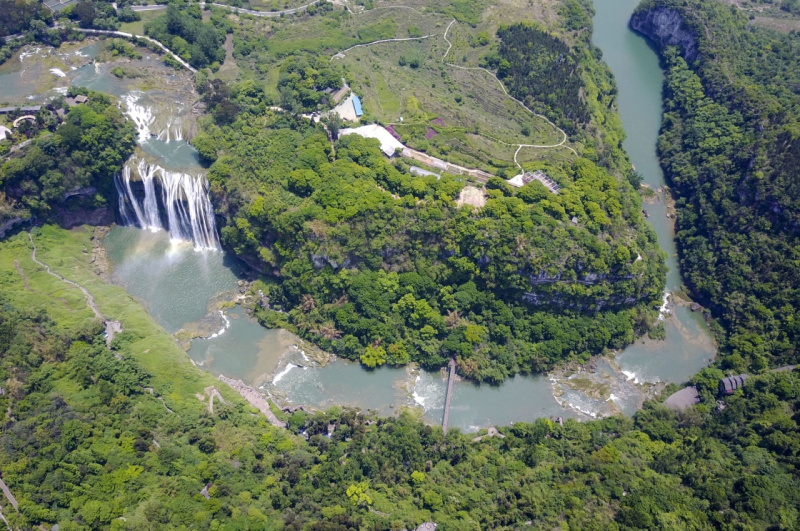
(185, 284)
(689, 346)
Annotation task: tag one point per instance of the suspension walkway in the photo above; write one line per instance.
(449, 397)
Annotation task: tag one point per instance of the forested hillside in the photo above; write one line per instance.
(730, 145)
(96, 439)
(378, 265)
(72, 158)
(17, 15)
(183, 31)
(542, 71)
(130, 436)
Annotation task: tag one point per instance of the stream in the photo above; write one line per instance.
(188, 284)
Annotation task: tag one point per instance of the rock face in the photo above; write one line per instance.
(665, 27)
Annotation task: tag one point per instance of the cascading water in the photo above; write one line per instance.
(145, 120)
(142, 116)
(172, 131)
(183, 197)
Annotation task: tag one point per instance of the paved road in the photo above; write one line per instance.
(239, 9)
(9, 496)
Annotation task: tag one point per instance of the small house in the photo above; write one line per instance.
(77, 100)
(526, 177)
(731, 383)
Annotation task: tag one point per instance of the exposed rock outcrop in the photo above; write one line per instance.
(665, 27)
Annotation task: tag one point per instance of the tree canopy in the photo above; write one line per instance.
(730, 148)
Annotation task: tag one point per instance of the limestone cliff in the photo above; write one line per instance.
(665, 27)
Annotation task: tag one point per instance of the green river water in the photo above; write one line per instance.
(182, 287)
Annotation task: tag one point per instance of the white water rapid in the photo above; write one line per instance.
(183, 197)
(145, 120)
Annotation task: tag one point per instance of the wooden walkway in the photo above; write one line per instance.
(449, 397)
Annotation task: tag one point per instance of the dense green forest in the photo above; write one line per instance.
(73, 158)
(95, 439)
(183, 31)
(16, 15)
(373, 263)
(303, 80)
(541, 70)
(99, 14)
(730, 146)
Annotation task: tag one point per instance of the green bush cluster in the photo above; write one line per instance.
(185, 34)
(84, 152)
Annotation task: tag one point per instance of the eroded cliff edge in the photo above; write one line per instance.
(666, 27)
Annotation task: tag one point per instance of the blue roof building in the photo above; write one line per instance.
(357, 106)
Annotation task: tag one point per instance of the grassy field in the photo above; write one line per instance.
(478, 117)
(137, 28)
(784, 25)
(769, 16)
(410, 79)
(24, 283)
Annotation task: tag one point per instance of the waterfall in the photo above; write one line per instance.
(182, 198)
(144, 119)
(172, 131)
(142, 116)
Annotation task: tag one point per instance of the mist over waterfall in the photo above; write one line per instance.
(154, 198)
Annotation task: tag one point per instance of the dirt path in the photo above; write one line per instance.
(22, 274)
(503, 87)
(89, 298)
(211, 392)
(563, 143)
(341, 54)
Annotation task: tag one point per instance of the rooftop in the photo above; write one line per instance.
(526, 177)
(388, 143)
(357, 105)
(683, 399)
(31, 108)
(731, 383)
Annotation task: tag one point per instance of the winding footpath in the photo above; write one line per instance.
(89, 298)
(519, 147)
(202, 4)
(341, 54)
(503, 87)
